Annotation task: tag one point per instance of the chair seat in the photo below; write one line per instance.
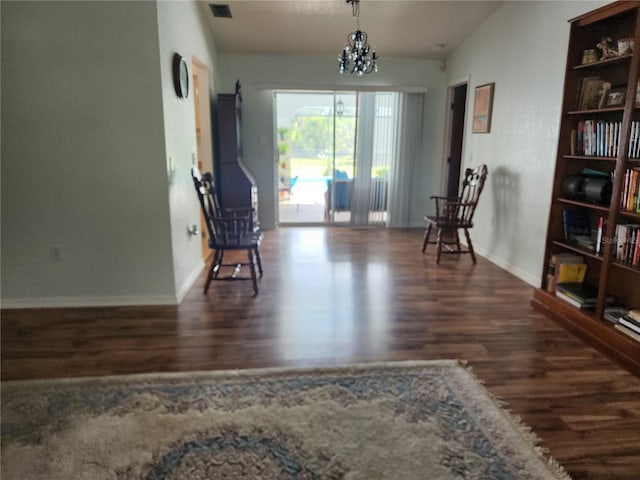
(247, 240)
(448, 222)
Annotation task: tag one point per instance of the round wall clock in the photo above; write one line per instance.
(180, 76)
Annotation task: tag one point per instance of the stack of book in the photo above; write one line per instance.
(614, 314)
(629, 324)
(565, 268)
(579, 295)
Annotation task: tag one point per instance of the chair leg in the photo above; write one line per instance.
(439, 245)
(219, 263)
(427, 232)
(456, 237)
(259, 261)
(470, 245)
(213, 269)
(252, 266)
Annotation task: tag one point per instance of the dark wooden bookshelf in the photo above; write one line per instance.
(610, 277)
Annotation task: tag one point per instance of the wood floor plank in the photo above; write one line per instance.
(332, 296)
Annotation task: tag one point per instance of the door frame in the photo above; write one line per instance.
(448, 131)
(334, 93)
(204, 138)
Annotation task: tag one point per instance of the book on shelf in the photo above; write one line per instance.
(629, 319)
(582, 293)
(572, 301)
(555, 261)
(627, 331)
(570, 273)
(614, 314)
(575, 222)
(630, 324)
(579, 146)
(630, 198)
(634, 314)
(601, 138)
(600, 235)
(628, 244)
(634, 140)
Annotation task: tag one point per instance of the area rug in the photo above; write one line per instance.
(407, 420)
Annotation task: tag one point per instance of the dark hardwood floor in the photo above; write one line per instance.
(341, 295)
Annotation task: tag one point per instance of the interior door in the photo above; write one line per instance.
(458, 106)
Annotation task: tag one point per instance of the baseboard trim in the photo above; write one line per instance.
(188, 283)
(509, 267)
(77, 302)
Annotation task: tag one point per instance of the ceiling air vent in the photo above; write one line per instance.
(220, 10)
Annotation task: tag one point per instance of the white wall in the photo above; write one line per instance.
(89, 119)
(522, 48)
(260, 74)
(82, 142)
(182, 30)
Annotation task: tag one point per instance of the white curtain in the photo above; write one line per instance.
(364, 153)
(407, 156)
(375, 152)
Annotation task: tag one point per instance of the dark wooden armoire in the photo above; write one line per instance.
(235, 184)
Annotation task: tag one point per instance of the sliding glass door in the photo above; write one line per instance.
(335, 156)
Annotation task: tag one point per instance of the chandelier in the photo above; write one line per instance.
(355, 56)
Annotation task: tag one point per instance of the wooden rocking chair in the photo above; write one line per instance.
(455, 213)
(229, 229)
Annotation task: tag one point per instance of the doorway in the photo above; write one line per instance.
(458, 102)
(335, 155)
(204, 142)
(316, 134)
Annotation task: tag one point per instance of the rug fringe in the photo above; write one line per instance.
(522, 428)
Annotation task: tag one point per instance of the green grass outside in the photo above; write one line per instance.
(319, 167)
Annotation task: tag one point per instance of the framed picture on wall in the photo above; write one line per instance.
(482, 104)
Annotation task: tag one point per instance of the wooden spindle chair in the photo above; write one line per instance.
(455, 213)
(228, 229)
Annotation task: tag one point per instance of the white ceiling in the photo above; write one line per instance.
(396, 28)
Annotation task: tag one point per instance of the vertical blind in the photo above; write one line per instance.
(375, 156)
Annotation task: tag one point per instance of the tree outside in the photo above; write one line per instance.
(311, 144)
